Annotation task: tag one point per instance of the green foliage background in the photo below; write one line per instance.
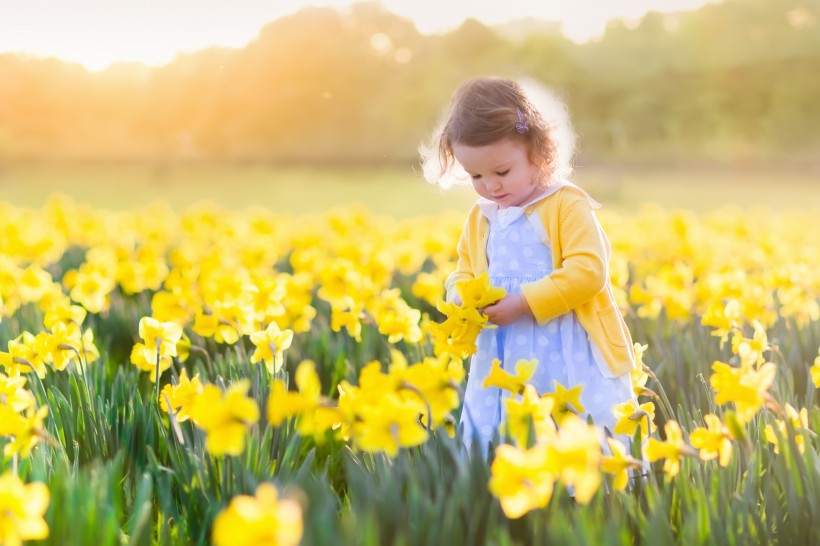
(735, 79)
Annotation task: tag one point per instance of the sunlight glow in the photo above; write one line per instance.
(97, 33)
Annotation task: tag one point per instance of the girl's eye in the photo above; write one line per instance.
(503, 173)
(475, 176)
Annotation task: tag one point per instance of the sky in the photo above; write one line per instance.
(97, 33)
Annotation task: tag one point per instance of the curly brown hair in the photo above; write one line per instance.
(485, 110)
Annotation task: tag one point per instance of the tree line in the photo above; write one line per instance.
(736, 79)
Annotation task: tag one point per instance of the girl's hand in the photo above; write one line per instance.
(508, 310)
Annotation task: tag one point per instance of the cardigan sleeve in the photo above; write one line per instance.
(464, 268)
(583, 269)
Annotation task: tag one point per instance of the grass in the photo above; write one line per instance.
(395, 190)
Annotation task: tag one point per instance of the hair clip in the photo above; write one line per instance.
(521, 125)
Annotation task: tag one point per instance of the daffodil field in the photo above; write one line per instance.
(238, 378)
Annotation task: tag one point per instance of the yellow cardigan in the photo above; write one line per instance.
(580, 277)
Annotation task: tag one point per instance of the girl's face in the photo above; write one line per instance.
(501, 171)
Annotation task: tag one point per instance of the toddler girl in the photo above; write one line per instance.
(538, 237)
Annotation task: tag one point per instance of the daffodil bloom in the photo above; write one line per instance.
(478, 293)
(29, 431)
(138, 359)
(316, 414)
(262, 519)
(395, 318)
(618, 464)
(723, 318)
(393, 424)
(672, 449)
(62, 345)
(530, 411)
(435, 381)
(225, 418)
(271, 344)
(26, 353)
(462, 323)
(747, 388)
(159, 338)
(800, 423)
(21, 510)
(751, 350)
(815, 371)
(567, 401)
(712, 441)
(631, 416)
(350, 319)
(65, 312)
(13, 393)
(575, 455)
(429, 286)
(520, 479)
(524, 369)
(638, 376)
(181, 396)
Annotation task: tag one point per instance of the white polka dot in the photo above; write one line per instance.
(528, 252)
(598, 398)
(563, 370)
(543, 341)
(501, 250)
(521, 339)
(481, 355)
(553, 326)
(579, 357)
(514, 265)
(555, 356)
(514, 236)
(487, 430)
(489, 401)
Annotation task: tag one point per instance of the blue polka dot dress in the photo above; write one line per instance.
(517, 254)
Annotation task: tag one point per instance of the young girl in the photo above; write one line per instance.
(538, 237)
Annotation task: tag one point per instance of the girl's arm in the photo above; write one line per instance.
(583, 272)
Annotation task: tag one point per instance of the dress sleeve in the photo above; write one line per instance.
(583, 269)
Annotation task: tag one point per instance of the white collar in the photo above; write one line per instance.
(507, 215)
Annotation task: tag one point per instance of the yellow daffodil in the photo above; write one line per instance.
(747, 388)
(26, 353)
(225, 418)
(618, 464)
(159, 338)
(632, 416)
(271, 344)
(316, 414)
(567, 401)
(530, 411)
(181, 396)
(29, 432)
(638, 376)
(671, 449)
(21, 510)
(520, 479)
(13, 393)
(815, 371)
(262, 519)
(712, 441)
(138, 359)
(524, 369)
(478, 293)
(800, 424)
(575, 455)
